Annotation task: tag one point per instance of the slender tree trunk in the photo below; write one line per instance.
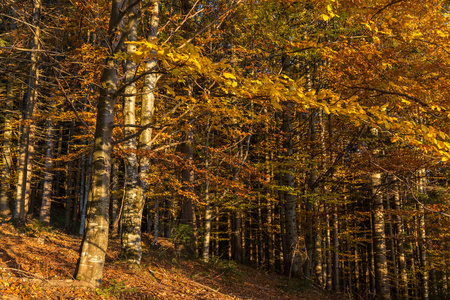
(69, 182)
(379, 236)
(336, 277)
(147, 111)
(403, 282)
(208, 210)
(236, 242)
(6, 154)
(44, 215)
(115, 198)
(28, 199)
(187, 208)
(311, 207)
(26, 140)
(423, 239)
(392, 252)
(84, 195)
(329, 280)
(132, 202)
(156, 223)
(292, 261)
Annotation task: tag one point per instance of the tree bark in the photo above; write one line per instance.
(69, 182)
(335, 226)
(403, 282)
(208, 210)
(26, 140)
(147, 111)
(86, 186)
(379, 236)
(6, 155)
(115, 214)
(95, 240)
(44, 215)
(293, 260)
(132, 202)
(423, 238)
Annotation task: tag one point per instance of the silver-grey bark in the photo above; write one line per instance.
(132, 202)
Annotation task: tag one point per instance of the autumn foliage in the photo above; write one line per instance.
(305, 138)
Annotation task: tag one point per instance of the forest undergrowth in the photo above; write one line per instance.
(37, 262)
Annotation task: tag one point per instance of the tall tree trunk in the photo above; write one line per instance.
(44, 215)
(329, 264)
(208, 210)
(147, 111)
(156, 223)
(86, 186)
(403, 282)
(311, 206)
(26, 141)
(28, 196)
(132, 202)
(292, 261)
(379, 236)
(6, 154)
(69, 182)
(236, 242)
(423, 238)
(335, 226)
(95, 240)
(392, 252)
(187, 208)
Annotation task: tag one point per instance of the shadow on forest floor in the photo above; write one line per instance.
(40, 265)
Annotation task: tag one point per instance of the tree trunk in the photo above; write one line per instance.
(422, 238)
(132, 202)
(156, 223)
(27, 203)
(335, 226)
(187, 208)
(379, 236)
(115, 198)
(147, 111)
(44, 215)
(95, 240)
(208, 210)
(403, 282)
(236, 242)
(26, 141)
(86, 186)
(293, 260)
(329, 279)
(6, 155)
(69, 182)
(392, 252)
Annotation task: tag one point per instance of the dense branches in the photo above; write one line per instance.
(239, 129)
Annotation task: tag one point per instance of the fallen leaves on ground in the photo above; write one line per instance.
(38, 263)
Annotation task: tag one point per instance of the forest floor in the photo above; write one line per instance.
(38, 262)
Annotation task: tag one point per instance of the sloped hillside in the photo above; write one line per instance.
(38, 262)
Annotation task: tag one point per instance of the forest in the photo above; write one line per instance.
(305, 138)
